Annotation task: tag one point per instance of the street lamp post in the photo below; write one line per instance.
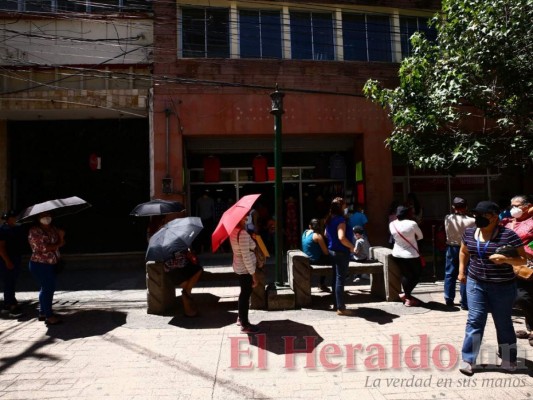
(277, 111)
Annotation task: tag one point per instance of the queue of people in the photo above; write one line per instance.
(474, 258)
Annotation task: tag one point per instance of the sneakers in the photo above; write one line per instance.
(250, 329)
(508, 366)
(466, 368)
(449, 302)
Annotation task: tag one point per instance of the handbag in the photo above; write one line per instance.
(422, 259)
(525, 271)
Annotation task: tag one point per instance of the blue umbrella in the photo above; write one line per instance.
(175, 236)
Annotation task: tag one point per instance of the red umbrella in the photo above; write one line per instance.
(231, 217)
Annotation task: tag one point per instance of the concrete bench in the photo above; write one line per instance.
(161, 291)
(385, 275)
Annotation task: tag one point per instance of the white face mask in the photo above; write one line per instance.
(346, 211)
(46, 220)
(516, 212)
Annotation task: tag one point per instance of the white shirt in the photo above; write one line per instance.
(410, 230)
(455, 225)
(243, 252)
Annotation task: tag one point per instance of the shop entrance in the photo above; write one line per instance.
(105, 162)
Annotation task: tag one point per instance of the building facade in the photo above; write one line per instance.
(120, 101)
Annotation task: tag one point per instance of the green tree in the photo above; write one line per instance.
(465, 100)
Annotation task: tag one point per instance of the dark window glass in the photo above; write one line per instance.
(260, 34)
(38, 5)
(354, 37)
(301, 36)
(136, 5)
(408, 26)
(104, 6)
(78, 6)
(323, 37)
(217, 33)
(8, 5)
(205, 32)
(312, 36)
(379, 38)
(271, 34)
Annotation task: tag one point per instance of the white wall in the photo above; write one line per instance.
(75, 41)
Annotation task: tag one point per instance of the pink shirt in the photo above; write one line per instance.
(524, 230)
(39, 239)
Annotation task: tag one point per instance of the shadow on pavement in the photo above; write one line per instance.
(433, 305)
(86, 323)
(380, 317)
(285, 337)
(211, 313)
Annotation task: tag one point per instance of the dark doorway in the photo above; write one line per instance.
(105, 162)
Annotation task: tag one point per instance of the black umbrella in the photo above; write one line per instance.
(56, 208)
(175, 236)
(157, 207)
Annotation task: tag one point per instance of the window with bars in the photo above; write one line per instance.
(260, 34)
(312, 36)
(366, 37)
(205, 32)
(408, 26)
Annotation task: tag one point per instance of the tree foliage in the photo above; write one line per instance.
(465, 100)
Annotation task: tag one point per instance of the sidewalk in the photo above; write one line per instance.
(109, 347)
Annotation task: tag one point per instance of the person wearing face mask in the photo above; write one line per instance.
(521, 222)
(45, 241)
(490, 285)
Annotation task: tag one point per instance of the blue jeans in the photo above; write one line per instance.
(339, 263)
(10, 276)
(45, 275)
(497, 299)
(451, 273)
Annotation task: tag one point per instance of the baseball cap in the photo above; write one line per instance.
(459, 201)
(486, 207)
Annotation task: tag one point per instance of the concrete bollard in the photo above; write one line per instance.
(161, 293)
(392, 276)
(299, 274)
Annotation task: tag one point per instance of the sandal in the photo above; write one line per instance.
(522, 334)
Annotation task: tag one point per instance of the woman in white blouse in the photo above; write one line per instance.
(405, 233)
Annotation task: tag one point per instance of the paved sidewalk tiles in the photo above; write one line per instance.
(109, 347)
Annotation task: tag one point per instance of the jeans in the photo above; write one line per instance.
(497, 299)
(451, 273)
(246, 281)
(411, 269)
(339, 263)
(45, 275)
(10, 276)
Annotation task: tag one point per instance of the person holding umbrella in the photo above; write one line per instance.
(45, 241)
(244, 262)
